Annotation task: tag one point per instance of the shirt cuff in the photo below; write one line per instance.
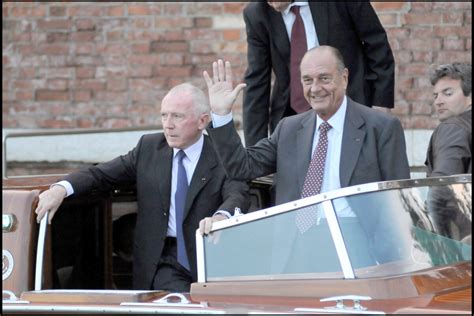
(222, 212)
(237, 212)
(66, 185)
(220, 120)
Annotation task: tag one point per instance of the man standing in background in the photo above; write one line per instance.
(450, 148)
(278, 35)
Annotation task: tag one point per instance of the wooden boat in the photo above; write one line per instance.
(398, 247)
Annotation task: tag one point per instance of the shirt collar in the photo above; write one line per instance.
(337, 120)
(298, 3)
(193, 152)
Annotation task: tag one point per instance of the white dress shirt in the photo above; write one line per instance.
(190, 162)
(305, 12)
(331, 178)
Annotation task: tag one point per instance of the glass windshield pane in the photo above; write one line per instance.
(382, 232)
(272, 247)
(406, 230)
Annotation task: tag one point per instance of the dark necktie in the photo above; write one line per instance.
(306, 218)
(298, 49)
(179, 202)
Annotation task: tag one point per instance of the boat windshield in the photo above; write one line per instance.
(373, 230)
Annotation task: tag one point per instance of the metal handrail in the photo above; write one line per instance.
(56, 132)
(40, 252)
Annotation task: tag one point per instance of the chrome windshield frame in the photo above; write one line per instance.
(341, 248)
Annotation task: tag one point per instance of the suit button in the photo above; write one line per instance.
(165, 214)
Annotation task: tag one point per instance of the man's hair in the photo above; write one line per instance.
(458, 71)
(335, 52)
(201, 103)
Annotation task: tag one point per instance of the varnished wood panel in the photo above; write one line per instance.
(21, 240)
(408, 285)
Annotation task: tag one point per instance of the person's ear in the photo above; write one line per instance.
(204, 120)
(345, 77)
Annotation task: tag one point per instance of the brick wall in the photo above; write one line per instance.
(80, 65)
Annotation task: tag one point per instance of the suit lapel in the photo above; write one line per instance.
(352, 140)
(280, 38)
(162, 170)
(319, 12)
(201, 175)
(304, 144)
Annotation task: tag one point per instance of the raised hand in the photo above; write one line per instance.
(222, 95)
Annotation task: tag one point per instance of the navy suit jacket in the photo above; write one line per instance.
(148, 165)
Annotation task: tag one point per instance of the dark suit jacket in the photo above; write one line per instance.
(351, 27)
(373, 149)
(450, 148)
(148, 166)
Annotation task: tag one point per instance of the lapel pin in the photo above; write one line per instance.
(203, 179)
(357, 139)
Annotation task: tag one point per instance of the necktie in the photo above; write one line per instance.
(314, 179)
(298, 49)
(179, 201)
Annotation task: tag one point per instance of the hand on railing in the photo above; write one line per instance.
(49, 201)
(205, 225)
